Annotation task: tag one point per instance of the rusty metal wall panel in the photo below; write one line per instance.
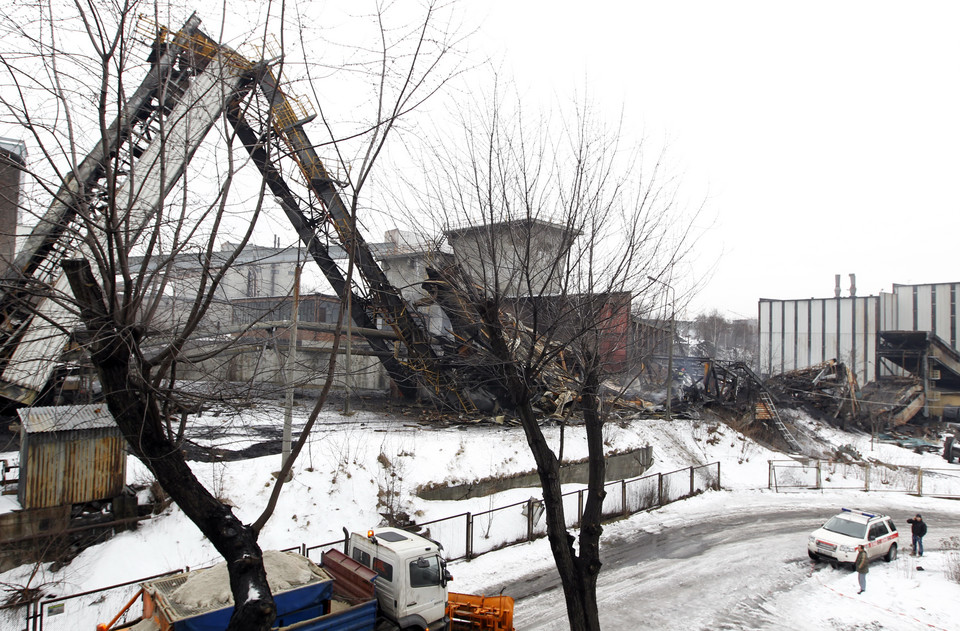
(71, 467)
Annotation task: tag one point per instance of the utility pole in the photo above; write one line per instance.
(673, 326)
(290, 382)
(348, 346)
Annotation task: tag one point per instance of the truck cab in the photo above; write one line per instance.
(411, 576)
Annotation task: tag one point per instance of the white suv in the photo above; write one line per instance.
(837, 540)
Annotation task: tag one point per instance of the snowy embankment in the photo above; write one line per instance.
(353, 466)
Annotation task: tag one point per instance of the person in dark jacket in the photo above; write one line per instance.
(862, 565)
(918, 528)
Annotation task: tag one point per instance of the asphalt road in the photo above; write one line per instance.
(719, 572)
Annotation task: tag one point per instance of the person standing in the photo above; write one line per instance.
(862, 565)
(918, 528)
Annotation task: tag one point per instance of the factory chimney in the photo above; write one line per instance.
(853, 285)
(836, 289)
(13, 155)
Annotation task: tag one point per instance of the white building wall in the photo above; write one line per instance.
(790, 333)
(944, 311)
(803, 333)
(904, 308)
(797, 334)
(816, 332)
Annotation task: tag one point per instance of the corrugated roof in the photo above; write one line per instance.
(61, 418)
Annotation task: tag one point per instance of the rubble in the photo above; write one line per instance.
(829, 387)
(893, 401)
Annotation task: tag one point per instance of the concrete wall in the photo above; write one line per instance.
(619, 466)
(261, 366)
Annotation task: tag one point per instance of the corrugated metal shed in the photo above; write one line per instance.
(68, 455)
(65, 418)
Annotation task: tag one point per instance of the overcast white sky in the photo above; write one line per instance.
(824, 135)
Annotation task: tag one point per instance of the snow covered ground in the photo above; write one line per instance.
(350, 461)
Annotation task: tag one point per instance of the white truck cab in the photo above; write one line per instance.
(411, 576)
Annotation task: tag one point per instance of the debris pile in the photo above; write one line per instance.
(829, 388)
(892, 401)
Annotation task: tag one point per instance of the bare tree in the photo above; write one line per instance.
(142, 141)
(555, 227)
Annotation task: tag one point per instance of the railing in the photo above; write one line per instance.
(786, 475)
(464, 536)
(468, 535)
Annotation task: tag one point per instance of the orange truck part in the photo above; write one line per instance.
(468, 612)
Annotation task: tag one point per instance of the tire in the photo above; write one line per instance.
(891, 554)
(813, 555)
(948, 451)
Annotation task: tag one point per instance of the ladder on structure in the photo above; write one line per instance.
(766, 411)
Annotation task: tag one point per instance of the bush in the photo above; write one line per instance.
(952, 566)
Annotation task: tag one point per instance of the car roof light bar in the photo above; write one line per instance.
(858, 512)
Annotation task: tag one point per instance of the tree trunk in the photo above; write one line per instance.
(590, 523)
(136, 411)
(578, 575)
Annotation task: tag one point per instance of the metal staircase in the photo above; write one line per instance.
(766, 410)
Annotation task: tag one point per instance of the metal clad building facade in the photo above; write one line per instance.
(926, 308)
(797, 334)
(69, 455)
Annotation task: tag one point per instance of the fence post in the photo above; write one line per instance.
(866, 477)
(769, 474)
(920, 481)
(659, 489)
(691, 480)
(819, 474)
(530, 519)
(469, 530)
(623, 497)
(579, 508)
(719, 486)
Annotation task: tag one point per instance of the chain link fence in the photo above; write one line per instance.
(813, 474)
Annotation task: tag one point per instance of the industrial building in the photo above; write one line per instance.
(911, 331)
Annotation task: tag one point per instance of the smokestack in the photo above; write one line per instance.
(836, 289)
(13, 160)
(853, 285)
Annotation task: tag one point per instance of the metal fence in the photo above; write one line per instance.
(787, 475)
(464, 536)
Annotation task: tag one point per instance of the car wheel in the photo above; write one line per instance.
(813, 555)
(891, 553)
